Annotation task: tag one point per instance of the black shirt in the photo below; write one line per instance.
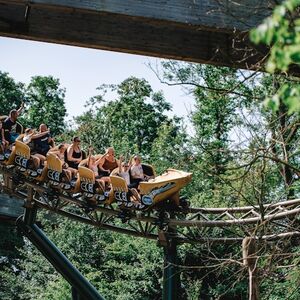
(41, 144)
(9, 127)
(75, 154)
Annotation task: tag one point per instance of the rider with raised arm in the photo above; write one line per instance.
(29, 137)
(60, 151)
(93, 164)
(9, 130)
(108, 164)
(44, 142)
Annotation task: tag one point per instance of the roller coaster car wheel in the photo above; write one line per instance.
(51, 195)
(17, 179)
(129, 204)
(91, 202)
(124, 215)
(184, 202)
(89, 209)
(89, 206)
(163, 219)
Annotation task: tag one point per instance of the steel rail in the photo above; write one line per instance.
(272, 211)
(217, 210)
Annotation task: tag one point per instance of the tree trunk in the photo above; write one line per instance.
(250, 260)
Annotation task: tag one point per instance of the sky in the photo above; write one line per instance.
(82, 70)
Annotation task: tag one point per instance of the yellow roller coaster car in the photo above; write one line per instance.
(57, 178)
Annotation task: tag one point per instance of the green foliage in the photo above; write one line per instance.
(46, 104)
(214, 116)
(285, 283)
(226, 172)
(11, 93)
(170, 149)
(207, 274)
(120, 267)
(9, 242)
(281, 32)
(130, 122)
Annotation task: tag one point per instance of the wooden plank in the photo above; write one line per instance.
(218, 14)
(125, 33)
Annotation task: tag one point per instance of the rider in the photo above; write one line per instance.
(9, 128)
(137, 173)
(109, 162)
(93, 164)
(44, 142)
(124, 169)
(124, 173)
(29, 138)
(60, 152)
(74, 153)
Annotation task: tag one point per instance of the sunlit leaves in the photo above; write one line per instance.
(11, 93)
(46, 103)
(281, 32)
(130, 122)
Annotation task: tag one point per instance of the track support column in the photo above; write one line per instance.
(81, 288)
(171, 274)
(84, 290)
(30, 212)
(171, 277)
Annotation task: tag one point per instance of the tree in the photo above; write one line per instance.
(170, 149)
(281, 32)
(119, 266)
(11, 93)
(46, 103)
(220, 94)
(130, 122)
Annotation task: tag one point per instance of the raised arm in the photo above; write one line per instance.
(89, 156)
(39, 134)
(100, 160)
(130, 161)
(20, 109)
(101, 164)
(120, 163)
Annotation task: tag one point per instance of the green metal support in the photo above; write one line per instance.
(81, 288)
(171, 276)
(29, 216)
(75, 294)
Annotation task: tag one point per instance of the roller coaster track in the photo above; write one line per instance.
(190, 225)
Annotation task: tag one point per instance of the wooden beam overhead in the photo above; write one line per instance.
(205, 31)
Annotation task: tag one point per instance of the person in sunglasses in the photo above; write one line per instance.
(124, 168)
(74, 153)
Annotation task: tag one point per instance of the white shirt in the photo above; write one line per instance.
(126, 176)
(137, 171)
(94, 168)
(27, 139)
